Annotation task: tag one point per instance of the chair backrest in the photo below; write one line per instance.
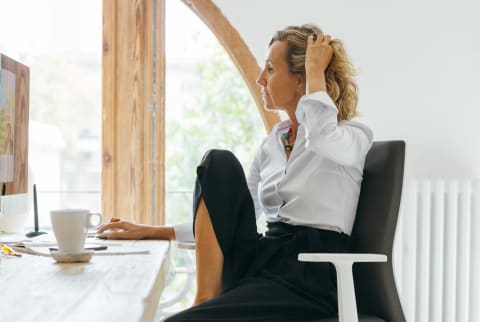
(374, 230)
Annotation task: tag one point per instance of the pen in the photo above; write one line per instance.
(7, 250)
(4, 188)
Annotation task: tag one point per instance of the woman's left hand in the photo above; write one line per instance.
(318, 56)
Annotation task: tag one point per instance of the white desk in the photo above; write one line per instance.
(117, 288)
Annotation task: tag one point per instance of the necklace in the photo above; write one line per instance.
(286, 136)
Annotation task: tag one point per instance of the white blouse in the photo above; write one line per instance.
(319, 184)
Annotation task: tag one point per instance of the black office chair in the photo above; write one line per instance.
(372, 241)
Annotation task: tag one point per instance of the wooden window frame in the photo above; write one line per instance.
(133, 101)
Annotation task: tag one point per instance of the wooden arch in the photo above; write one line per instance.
(236, 48)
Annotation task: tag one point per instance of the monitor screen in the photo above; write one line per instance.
(14, 106)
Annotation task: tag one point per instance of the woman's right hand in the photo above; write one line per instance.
(318, 56)
(122, 229)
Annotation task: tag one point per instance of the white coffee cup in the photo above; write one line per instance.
(70, 227)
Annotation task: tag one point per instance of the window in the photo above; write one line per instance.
(207, 103)
(134, 86)
(60, 41)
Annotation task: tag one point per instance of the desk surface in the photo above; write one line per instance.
(113, 288)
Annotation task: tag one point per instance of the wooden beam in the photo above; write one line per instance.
(238, 51)
(154, 123)
(108, 106)
(132, 131)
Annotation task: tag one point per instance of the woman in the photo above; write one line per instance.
(305, 178)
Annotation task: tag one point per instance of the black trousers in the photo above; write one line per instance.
(262, 279)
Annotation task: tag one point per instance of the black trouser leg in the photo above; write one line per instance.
(222, 185)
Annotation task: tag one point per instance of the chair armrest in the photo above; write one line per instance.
(185, 245)
(347, 304)
(340, 257)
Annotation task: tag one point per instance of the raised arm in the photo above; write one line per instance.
(346, 143)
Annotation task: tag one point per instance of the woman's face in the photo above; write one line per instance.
(280, 87)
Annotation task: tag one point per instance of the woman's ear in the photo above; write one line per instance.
(301, 84)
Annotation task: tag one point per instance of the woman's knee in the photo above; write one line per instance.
(219, 157)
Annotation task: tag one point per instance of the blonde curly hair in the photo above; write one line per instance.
(341, 86)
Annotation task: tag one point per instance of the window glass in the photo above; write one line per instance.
(61, 43)
(208, 105)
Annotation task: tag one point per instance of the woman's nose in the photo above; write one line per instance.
(260, 79)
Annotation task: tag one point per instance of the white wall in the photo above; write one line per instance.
(419, 64)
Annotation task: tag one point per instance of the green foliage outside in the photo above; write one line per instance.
(222, 115)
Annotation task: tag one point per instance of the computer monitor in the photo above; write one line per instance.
(14, 108)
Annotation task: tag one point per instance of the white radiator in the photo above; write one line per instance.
(437, 251)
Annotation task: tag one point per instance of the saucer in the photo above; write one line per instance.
(67, 257)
